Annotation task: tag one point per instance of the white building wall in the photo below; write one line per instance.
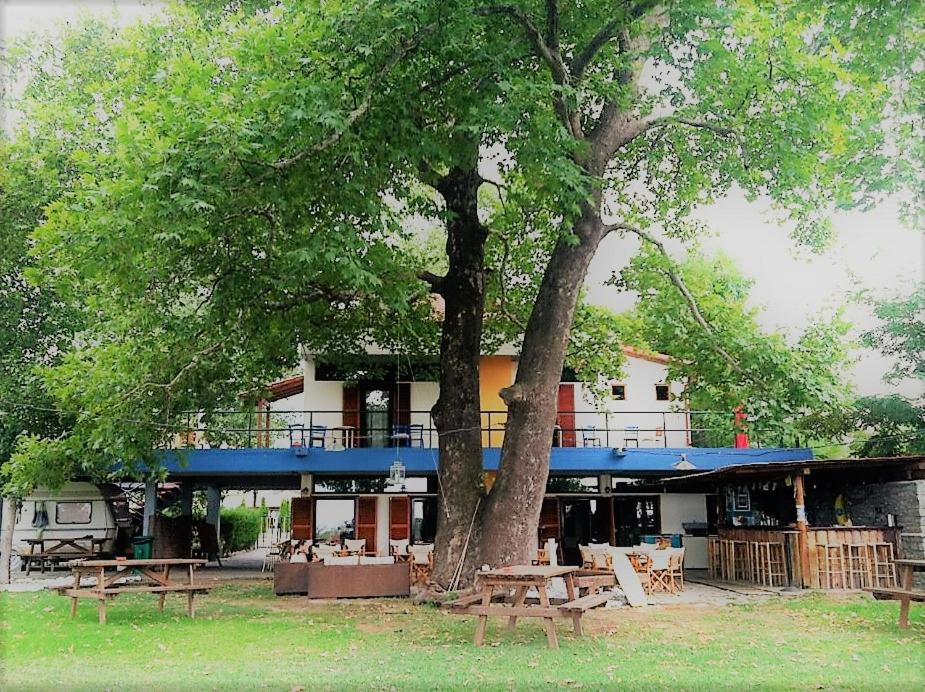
(658, 423)
(660, 426)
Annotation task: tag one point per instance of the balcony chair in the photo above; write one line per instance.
(401, 435)
(631, 434)
(416, 435)
(317, 434)
(590, 437)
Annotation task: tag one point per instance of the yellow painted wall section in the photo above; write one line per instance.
(495, 373)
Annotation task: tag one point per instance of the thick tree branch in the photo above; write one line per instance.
(603, 36)
(548, 53)
(685, 292)
(433, 280)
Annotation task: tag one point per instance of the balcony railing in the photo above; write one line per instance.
(346, 429)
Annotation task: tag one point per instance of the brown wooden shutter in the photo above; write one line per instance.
(366, 522)
(401, 409)
(549, 520)
(565, 405)
(302, 528)
(351, 408)
(399, 518)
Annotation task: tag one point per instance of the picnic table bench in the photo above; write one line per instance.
(155, 579)
(494, 586)
(65, 550)
(905, 594)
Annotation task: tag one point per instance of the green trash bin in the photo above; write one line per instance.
(143, 547)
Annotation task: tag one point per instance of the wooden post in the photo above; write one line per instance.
(803, 538)
(150, 508)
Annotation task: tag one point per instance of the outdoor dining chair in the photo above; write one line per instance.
(355, 546)
(323, 550)
(422, 562)
(399, 548)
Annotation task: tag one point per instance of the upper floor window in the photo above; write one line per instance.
(618, 391)
(661, 392)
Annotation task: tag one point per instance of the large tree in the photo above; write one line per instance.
(256, 170)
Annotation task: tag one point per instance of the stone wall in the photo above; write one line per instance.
(869, 505)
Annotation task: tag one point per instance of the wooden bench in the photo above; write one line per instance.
(577, 608)
(156, 572)
(905, 594)
(904, 597)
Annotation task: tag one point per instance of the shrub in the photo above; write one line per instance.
(240, 528)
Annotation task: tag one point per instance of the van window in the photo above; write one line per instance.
(73, 512)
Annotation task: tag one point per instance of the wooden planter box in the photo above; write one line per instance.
(342, 581)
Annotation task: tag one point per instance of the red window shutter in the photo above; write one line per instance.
(302, 528)
(351, 408)
(366, 522)
(399, 518)
(549, 520)
(565, 405)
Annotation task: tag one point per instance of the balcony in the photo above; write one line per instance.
(364, 429)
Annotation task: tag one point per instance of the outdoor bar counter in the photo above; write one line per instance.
(829, 549)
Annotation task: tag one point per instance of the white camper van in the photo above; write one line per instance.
(75, 511)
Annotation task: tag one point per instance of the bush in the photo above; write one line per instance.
(240, 528)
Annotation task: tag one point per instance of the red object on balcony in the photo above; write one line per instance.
(740, 423)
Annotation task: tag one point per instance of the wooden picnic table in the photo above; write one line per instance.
(521, 578)
(64, 550)
(905, 593)
(155, 576)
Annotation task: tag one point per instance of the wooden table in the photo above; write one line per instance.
(64, 549)
(521, 578)
(905, 594)
(155, 575)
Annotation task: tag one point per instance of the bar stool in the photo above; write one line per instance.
(741, 568)
(884, 571)
(831, 560)
(777, 565)
(860, 575)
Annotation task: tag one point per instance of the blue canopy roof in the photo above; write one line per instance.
(657, 461)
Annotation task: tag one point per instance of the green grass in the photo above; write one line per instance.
(246, 638)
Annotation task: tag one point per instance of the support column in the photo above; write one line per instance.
(214, 506)
(150, 508)
(186, 499)
(799, 495)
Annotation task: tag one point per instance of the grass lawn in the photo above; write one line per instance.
(244, 637)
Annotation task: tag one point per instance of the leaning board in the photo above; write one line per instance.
(628, 580)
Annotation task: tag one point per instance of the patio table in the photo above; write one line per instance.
(63, 549)
(155, 579)
(521, 578)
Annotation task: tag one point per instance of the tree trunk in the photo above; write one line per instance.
(512, 510)
(7, 520)
(456, 414)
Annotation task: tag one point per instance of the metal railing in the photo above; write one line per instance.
(340, 429)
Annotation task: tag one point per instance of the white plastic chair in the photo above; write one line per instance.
(399, 548)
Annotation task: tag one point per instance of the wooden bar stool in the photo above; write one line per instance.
(883, 569)
(777, 564)
(759, 561)
(831, 559)
(741, 568)
(859, 571)
(726, 560)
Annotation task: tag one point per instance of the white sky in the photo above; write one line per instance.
(873, 250)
